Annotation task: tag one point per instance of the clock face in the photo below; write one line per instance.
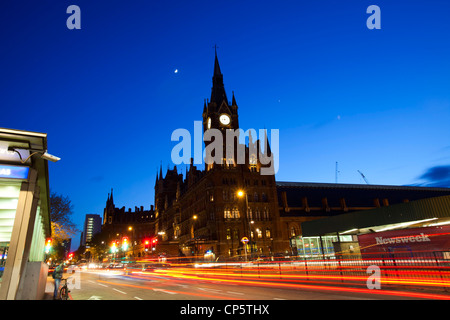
(209, 123)
(224, 119)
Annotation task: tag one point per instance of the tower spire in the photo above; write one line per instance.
(111, 199)
(218, 94)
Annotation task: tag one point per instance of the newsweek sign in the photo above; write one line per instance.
(408, 239)
(426, 239)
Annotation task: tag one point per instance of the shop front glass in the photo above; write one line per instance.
(311, 247)
(9, 197)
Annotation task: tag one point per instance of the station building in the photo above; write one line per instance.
(202, 212)
(418, 228)
(24, 214)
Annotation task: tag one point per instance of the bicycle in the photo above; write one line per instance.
(64, 291)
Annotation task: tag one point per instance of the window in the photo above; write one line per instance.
(263, 197)
(227, 213)
(255, 197)
(267, 233)
(228, 234)
(257, 214)
(259, 233)
(266, 213)
(293, 232)
(235, 213)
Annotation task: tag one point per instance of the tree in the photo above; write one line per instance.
(61, 210)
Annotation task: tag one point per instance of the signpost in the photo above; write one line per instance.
(244, 240)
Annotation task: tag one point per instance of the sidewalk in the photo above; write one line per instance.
(49, 288)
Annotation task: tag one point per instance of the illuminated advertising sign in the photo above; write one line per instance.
(427, 239)
(14, 172)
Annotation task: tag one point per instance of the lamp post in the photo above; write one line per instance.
(194, 217)
(241, 194)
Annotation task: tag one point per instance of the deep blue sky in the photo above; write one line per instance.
(107, 95)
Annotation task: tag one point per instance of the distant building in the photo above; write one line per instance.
(92, 226)
(134, 226)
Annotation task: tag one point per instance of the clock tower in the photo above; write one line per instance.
(218, 112)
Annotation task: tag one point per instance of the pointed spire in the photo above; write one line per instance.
(112, 201)
(160, 172)
(233, 101)
(216, 64)
(218, 94)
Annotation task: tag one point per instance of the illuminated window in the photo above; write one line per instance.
(259, 232)
(227, 213)
(235, 213)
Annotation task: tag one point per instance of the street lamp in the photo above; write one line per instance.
(194, 217)
(241, 194)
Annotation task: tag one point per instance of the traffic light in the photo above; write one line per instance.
(154, 241)
(124, 244)
(114, 247)
(48, 245)
(146, 244)
(70, 256)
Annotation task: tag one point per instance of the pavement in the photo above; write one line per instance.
(49, 289)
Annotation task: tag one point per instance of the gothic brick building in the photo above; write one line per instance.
(212, 210)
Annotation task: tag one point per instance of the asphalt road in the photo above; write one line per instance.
(103, 285)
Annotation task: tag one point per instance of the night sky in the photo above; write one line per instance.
(109, 97)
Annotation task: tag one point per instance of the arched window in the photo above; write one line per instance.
(227, 213)
(293, 231)
(263, 197)
(235, 214)
(257, 214)
(259, 232)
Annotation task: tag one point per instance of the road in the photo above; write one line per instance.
(115, 285)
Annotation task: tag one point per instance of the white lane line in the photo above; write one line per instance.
(119, 291)
(278, 299)
(161, 290)
(209, 289)
(137, 298)
(101, 284)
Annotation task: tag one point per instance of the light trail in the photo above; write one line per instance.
(208, 296)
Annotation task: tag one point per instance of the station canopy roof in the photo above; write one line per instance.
(419, 213)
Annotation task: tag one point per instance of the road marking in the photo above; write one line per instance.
(165, 291)
(119, 291)
(209, 289)
(231, 292)
(278, 299)
(101, 284)
(138, 298)
(95, 298)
